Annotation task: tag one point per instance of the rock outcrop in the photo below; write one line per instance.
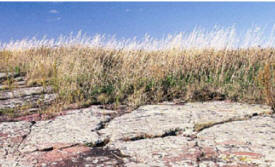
(201, 134)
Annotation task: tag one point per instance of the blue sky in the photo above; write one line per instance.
(127, 19)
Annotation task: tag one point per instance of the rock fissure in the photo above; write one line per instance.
(172, 132)
(48, 149)
(25, 136)
(204, 154)
(200, 154)
(198, 127)
(100, 143)
(6, 76)
(103, 124)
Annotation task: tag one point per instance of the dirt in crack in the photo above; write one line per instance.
(173, 132)
(103, 124)
(99, 143)
(201, 126)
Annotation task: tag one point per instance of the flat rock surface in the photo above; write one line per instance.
(149, 121)
(73, 156)
(76, 127)
(167, 151)
(250, 141)
(158, 120)
(207, 134)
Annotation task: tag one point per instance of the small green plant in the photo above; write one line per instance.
(17, 70)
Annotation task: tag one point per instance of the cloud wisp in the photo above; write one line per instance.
(53, 11)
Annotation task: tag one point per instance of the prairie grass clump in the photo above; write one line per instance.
(187, 67)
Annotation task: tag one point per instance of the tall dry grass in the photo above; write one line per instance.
(196, 66)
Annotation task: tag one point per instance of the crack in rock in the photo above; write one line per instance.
(77, 127)
(206, 154)
(172, 132)
(244, 142)
(51, 148)
(201, 126)
(155, 120)
(138, 134)
(25, 136)
(102, 125)
(5, 76)
(99, 143)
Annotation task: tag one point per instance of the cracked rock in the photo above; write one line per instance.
(248, 142)
(207, 114)
(156, 120)
(11, 136)
(207, 134)
(21, 92)
(149, 121)
(32, 101)
(77, 127)
(168, 151)
(4, 76)
(80, 156)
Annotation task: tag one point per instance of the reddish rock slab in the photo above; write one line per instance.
(49, 157)
(248, 154)
(80, 156)
(32, 117)
(167, 151)
(12, 135)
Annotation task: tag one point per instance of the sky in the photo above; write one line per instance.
(20, 20)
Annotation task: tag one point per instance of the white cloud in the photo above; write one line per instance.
(54, 19)
(53, 11)
(127, 10)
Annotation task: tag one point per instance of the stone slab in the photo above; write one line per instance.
(209, 134)
(29, 101)
(11, 136)
(250, 142)
(168, 151)
(76, 127)
(21, 92)
(157, 120)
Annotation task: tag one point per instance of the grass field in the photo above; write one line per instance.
(196, 66)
